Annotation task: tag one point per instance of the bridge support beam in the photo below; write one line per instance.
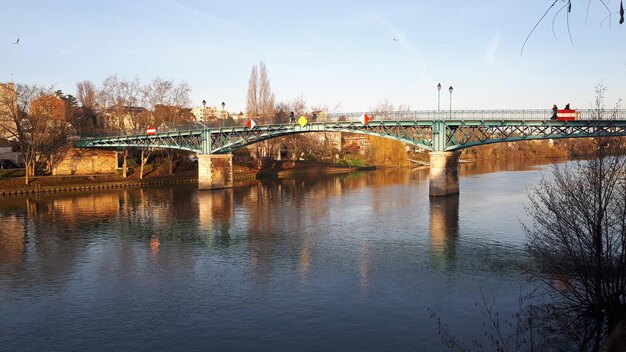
(444, 173)
(215, 171)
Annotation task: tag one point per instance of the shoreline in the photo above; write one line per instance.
(85, 183)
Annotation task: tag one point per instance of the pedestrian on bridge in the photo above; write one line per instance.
(555, 110)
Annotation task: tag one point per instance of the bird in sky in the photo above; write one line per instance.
(17, 41)
(395, 39)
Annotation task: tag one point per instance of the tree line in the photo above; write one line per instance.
(42, 122)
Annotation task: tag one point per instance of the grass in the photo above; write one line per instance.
(12, 173)
(356, 162)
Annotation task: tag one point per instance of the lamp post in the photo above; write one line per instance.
(203, 107)
(450, 90)
(223, 112)
(438, 100)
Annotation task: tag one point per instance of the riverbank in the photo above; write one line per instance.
(13, 184)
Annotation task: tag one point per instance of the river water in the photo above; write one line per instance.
(338, 262)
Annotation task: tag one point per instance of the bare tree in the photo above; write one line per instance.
(266, 97)
(86, 115)
(385, 108)
(524, 331)
(120, 99)
(252, 108)
(143, 159)
(86, 94)
(566, 9)
(10, 111)
(167, 102)
(166, 93)
(260, 102)
(578, 237)
(298, 105)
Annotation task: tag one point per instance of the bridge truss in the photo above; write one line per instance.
(433, 135)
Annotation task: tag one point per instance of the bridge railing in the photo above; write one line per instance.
(518, 114)
(426, 115)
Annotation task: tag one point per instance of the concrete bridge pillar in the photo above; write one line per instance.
(444, 173)
(215, 171)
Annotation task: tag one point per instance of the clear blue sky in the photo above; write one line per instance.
(336, 53)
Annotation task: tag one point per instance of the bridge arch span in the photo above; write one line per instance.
(232, 146)
(444, 138)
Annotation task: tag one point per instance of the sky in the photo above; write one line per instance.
(345, 55)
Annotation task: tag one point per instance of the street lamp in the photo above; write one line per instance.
(203, 108)
(450, 90)
(438, 100)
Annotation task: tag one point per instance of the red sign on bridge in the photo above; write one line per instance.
(566, 115)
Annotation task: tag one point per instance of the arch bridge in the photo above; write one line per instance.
(443, 134)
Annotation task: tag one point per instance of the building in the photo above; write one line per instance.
(124, 118)
(209, 113)
(355, 142)
(6, 152)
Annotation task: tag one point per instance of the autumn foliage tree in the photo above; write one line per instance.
(35, 118)
(50, 106)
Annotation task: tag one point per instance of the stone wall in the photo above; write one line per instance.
(86, 162)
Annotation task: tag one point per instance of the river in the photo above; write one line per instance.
(337, 262)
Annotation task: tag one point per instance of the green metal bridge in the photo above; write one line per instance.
(426, 130)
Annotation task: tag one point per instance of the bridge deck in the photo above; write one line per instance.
(435, 135)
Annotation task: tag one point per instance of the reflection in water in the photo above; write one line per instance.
(283, 263)
(215, 214)
(489, 166)
(305, 261)
(12, 240)
(365, 266)
(154, 244)
(444, 227)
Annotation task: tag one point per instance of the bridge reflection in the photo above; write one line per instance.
(444, 227)
(302, 216)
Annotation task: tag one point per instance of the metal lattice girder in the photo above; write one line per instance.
(183, 140)
(435, 135)
(228, 139)
(465, 134)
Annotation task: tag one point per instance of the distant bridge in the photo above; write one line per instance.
(442, 133)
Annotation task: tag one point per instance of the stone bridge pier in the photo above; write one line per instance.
(444, 173)
(215, 171)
